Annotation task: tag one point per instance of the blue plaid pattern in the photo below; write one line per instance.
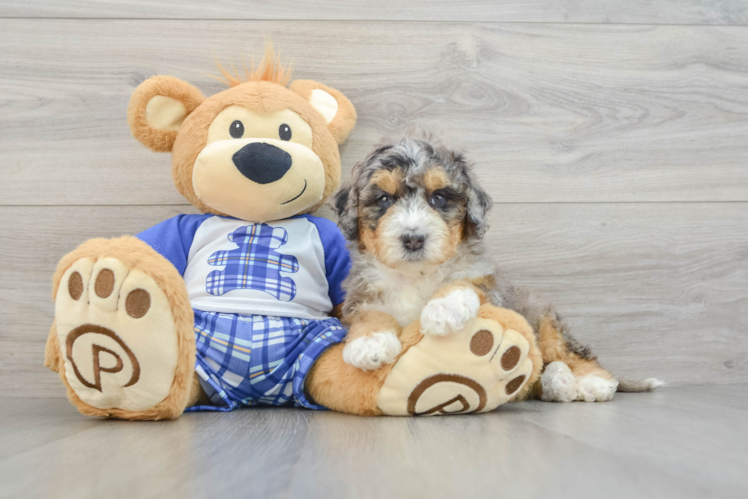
(254, 264)
(251, 360)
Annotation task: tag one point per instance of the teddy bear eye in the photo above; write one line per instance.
(236, 129)
(284, 132)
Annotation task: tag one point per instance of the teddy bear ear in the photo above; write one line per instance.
(157, 109)
(335, 108)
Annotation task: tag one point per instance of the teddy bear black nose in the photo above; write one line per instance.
(262, 163)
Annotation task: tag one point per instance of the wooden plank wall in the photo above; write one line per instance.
(614, 139)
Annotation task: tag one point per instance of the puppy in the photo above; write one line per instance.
(415, 219)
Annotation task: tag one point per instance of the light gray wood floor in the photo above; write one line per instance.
(677, 442)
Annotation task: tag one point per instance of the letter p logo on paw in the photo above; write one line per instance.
(91, 337)
(447, 393)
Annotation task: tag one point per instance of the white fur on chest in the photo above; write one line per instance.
(402, 295)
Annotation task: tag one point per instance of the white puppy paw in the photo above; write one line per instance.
(450, 313)
(369, 353)
(650, 384)
(593, 388)
(559, 384)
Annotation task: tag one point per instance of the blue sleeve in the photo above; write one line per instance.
(337, 258)
(173, 237)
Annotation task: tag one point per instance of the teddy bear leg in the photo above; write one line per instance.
(122, 340)
(490, 360)
(340, 386)
(471, 364)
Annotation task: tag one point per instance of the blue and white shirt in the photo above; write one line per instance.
(289, 268)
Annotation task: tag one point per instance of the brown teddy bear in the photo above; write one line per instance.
(237, 306)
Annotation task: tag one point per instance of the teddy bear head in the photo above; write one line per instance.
(258, 151)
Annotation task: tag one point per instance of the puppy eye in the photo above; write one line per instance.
(385, 201)
(284, 132)
(236, 129)
(438, 200)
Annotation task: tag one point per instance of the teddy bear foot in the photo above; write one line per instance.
(475, 369)
(120, 349)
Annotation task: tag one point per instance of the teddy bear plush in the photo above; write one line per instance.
(238, 306)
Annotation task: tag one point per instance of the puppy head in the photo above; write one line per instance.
(411, 204)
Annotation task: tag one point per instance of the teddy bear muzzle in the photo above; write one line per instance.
(258, 180)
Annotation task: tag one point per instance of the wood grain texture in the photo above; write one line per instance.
(729, 12)
(617, 154)
(656, 289)
(679, 442)
(549, 113)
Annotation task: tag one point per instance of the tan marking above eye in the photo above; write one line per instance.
(259, 125)
(387, 180)
(436, 178)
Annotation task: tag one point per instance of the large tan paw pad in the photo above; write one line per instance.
(117, 335)
(475, 369)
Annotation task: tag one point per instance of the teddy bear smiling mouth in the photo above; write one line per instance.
(298, 195)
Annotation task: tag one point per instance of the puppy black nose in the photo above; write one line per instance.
(413, 242)
(262, 163)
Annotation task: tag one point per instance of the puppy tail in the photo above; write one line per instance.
(646, 385)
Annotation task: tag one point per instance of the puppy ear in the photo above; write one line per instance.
(479, 203)
(335, 108)
(345, 206)
(157, 109)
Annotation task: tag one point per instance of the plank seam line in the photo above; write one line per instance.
(667, 202)
(415, 21)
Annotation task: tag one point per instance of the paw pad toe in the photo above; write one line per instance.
(104, 283)
(75, 285)
(510, 358)
(481, 343)
(137, 303)
(514, 384)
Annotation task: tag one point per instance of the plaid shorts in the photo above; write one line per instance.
(259, 360)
